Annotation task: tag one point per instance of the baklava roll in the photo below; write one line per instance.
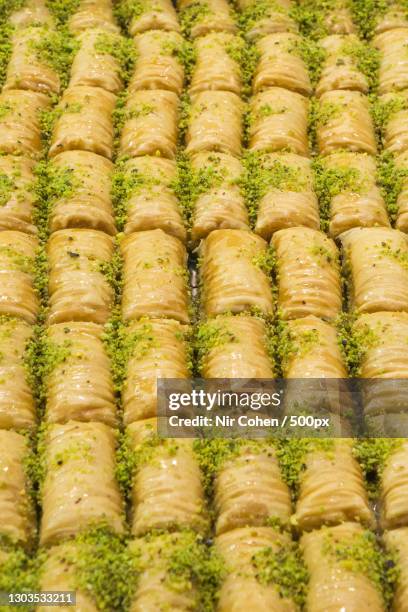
(20, 126)
(396, 542)
(18, 296)
(27, 69)
(220, 203)
(308, 272)
(167, 491)
(165, 583)
(217, 65)
(287, 198)
(260, 18)
(200, 17)
(33, 12)
(401, 163)
(79, 489)
(154, 277)
(95, 63)
(158, 63)
(278, 121)
(331, 488)
(337, 17)
(93, 14)
(17, 407)
(344, 122)
(61, 571)
(157, 348)
(84, 200)
(16, 507)
(341, 65)
(394, 488)
(147, 194)
(280, 64)
(313, 350)
(393, 72)
(339, 580)
(382, 343)
(215, 123)
(17, 199)
(79, 265)
(147, 15)
(245, 552)
(78, 381)
(394, 107)
(377, 261)
(85, 122)
(232, 273)
(391, 16)
(348, 183)
(150, 124)
(383, 339)
(249, 490)
(239, 350)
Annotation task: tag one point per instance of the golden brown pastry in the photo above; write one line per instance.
(216, 66)
(18, 296)
(396, 542)
(17, 194)
(349, 181)
(280, 64)
(395, 128)
(95, 64)
(78, 385)
(163, 582)
(17, 512)
(33, 12)
(85, 201)
(93, 14)
(158, 64)
(344, 122)
(278, 121)
(394, 488)
(150, 201)
(337, 580)
(313, 350)
(331, 489)
(200, 17)
(60, 572)
(79, 490)
(17, 406)
(157, 349)
(239, 349)
(341, 66)
(27, 69)
(79, 263)
(20, 129)
(154, 277)
(167, 492)
(308, 274)
(378, 271)
(150, 124)
(401, 162)
(152, 15)
(220, 203)
(244, 551)
(215, 123)
(249, 490)
(393, 72)
(85, 121)
(287, 197)
(232, 273)
(261, 18)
